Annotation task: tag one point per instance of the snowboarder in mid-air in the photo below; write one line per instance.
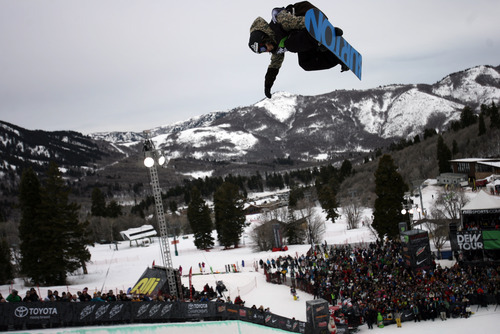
(287, 32)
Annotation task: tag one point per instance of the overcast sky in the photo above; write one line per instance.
(132, 65)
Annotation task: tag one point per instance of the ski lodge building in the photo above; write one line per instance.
(141, 235)
(476, 168)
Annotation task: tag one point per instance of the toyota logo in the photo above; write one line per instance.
(21, 311)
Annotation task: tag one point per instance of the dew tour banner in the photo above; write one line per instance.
(475, 240)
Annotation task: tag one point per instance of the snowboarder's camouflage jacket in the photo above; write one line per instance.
(287, 22)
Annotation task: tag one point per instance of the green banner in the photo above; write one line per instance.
(491, 239)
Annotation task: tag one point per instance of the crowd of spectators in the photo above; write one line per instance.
(373, 278)
(80, 296)
(484, 224)
(208, 293)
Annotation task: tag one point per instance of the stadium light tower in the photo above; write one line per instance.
(152, 158)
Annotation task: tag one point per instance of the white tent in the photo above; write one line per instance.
(482, 201)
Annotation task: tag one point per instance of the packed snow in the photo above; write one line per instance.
(282, 105)
(120, 268)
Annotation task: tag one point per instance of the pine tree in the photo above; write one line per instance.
(64, 238)
(6, 268)
(198, 214)
(467, 117)
(454, 148)
(481, 126)
(31, 244)
(295, 195)
(443, 156)
(390, 189)
(98, 206)
(113, 210)
(294, 232)
(494, 116)
(229, 214)
(172, 205)
(328, 201)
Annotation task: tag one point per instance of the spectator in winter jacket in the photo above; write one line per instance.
(85, 297)
(13, 297)
(239, 301)
(50, 297)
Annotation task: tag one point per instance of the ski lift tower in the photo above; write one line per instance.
(152, 157)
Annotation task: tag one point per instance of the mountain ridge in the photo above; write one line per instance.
(336, 122)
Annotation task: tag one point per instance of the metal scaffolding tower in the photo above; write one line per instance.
(154, 158)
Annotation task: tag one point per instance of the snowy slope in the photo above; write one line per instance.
(471, 88)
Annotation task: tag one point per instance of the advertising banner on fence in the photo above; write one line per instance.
(34, 313)
(97, 313)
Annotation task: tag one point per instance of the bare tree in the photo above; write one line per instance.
(278, 214)
(315, 224)
(438, 228)
(263, 234)
(262, 237)
(352, 211)
(449, 202)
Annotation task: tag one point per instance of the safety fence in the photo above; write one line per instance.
(20, 316)
(244, 289)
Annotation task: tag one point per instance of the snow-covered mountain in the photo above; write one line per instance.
(300, 127)
(324, 126)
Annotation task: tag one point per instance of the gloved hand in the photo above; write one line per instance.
(267, 91)
(269, 81)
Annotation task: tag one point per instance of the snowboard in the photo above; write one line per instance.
(323, 31)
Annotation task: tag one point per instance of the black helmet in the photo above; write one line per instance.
(257, 41)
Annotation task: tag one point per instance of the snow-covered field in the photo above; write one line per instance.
(120, 269)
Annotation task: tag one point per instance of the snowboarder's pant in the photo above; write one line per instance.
(315, 60)
(398, 321)
(300, 41)
(312, 56)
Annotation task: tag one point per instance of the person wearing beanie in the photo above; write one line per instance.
(287, 32)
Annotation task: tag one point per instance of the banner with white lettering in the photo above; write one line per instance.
(92, 312)
(36, 313)
(64, 314)
(467, 241)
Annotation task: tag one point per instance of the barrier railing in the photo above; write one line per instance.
(19, 316)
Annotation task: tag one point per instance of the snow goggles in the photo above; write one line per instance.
(259, 47)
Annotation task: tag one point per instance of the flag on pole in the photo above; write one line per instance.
(190, 283)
